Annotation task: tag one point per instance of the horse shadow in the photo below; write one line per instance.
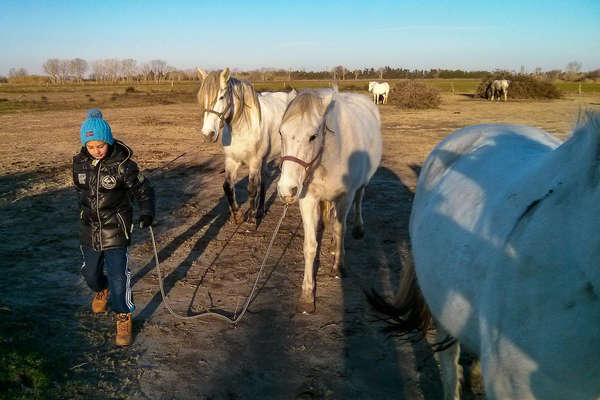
(212, 221)
(369, 359)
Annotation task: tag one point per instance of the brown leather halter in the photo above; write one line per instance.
(221, 115)
(308, 165)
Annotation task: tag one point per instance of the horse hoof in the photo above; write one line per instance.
(358, 232)
(238, 216)
(337, 273)
(306, 307)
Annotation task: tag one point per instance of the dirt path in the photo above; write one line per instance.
(336, 353)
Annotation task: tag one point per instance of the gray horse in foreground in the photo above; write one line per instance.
(506, 247)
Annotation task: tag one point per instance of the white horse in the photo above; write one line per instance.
(250, 124)
(498, 87)
(506, 244)
(379, 89)
(331, 147)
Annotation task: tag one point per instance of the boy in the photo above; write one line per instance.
(106, 178)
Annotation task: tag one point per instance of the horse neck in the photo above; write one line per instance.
(568, 212)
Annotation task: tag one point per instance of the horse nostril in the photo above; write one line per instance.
(293, 191)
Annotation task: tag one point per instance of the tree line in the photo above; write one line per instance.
(128, 70)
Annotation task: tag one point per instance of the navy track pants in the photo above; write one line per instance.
(109, 268)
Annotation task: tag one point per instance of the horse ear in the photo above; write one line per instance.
(202, 73)
(292, 95)
(224, 78)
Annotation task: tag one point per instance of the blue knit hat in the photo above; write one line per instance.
(95, 128)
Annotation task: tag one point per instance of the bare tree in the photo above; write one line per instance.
(380, 70)
(17, 72)
(574, 67)
(146, 70)
(63, 70)
(339, 72)
(51, 67)
(77, 68)
(98, 70)
(128, 68)
(158, 67)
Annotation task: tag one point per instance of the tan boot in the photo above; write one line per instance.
(100, 301)
(123, 337)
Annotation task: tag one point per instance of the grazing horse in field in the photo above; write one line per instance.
(498, 87)
(330, 148)
(379, 89)
(506, 247)
(250, 125)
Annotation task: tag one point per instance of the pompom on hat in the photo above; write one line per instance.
(95, 128)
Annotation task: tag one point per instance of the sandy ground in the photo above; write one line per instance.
(337, 353)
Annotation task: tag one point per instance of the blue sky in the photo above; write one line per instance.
(469, 35)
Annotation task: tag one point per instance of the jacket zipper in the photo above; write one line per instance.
(98, 202)
(124, 226)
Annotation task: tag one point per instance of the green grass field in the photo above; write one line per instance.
(27, 98)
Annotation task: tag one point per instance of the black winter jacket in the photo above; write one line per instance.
(105, 190)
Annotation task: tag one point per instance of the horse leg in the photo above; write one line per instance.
(358, 229)
(451, 370)
(309, 209)
(231, 168)
(255, 187)
(505, 94)
(342, 206)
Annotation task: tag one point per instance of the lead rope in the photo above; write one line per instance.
(249, 299)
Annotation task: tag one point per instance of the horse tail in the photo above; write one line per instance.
(408, 315)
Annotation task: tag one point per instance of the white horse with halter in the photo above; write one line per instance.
(249, 123)
(331, 147)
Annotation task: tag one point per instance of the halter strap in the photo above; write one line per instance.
(307, 165)
(221, 115)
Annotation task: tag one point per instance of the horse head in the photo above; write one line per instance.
(216, 101)
(303, 128)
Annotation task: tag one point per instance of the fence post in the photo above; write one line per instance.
(579, 90)
(452, 85)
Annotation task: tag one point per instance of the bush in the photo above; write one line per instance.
(130, 89)
(521, 87)
(411, 94)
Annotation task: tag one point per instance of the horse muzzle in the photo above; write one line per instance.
(288, 196)
(209, 137)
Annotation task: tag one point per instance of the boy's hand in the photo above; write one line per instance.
(145, 221)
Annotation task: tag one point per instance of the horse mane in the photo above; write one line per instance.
(241, 90)
(207, 94)
(247, 98)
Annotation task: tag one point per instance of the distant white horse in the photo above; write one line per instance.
(250, 125)
(506, 243)
(331, 147)
(379, 89)
(498, 88)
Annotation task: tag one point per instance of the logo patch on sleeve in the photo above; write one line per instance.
(81, 178)
(108, 182)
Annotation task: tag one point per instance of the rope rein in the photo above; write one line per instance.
(249, 299)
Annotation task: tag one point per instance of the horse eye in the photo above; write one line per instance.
(221, 98)
(312, 137)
